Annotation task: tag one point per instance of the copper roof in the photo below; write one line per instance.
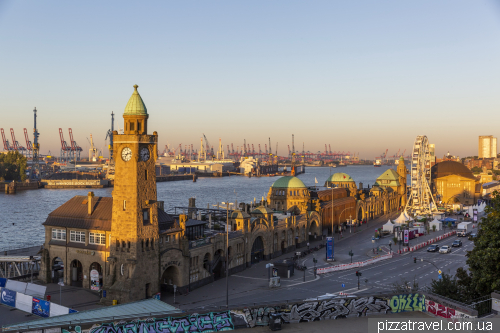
(338, 202)
(447, 168)
(74, 214)
(322, 194)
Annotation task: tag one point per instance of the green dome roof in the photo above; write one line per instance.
(340, 177)
(261, 210)
(238, 214)
(289, 182)
(135, 105)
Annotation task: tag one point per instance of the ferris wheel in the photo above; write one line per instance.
(421, 201)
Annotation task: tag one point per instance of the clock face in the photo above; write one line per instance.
(126, 154)
(145, 154)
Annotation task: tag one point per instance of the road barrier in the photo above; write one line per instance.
(426, 243)
(438, 238)
(342, 267)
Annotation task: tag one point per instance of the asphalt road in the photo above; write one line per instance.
(375, 279)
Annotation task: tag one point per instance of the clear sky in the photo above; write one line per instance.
(362, 76)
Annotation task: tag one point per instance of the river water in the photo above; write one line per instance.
(22, 214)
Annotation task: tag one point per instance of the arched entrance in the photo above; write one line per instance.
(95, 274)
(313, 230)
(257, 250)
(76, 273)
(361, 216)
(169, 278)
(57, 270)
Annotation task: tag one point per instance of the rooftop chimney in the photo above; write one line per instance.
(90, 202)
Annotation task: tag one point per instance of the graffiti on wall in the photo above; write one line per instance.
(409, 302)
(254, 316)
(312, 311)
(209, 322)
(443, 311)
(337, 308)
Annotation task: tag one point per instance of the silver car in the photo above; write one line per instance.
(445, 249)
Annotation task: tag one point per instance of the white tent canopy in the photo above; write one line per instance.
(403, 218)
(438, 224)
(389, 226)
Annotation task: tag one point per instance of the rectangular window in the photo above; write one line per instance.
(124, 204)
(97, 238)
(146, 174)
(77, 236)
(145, 216)
(131, 126)
(139, 127)
(59, 234)
(167, 239)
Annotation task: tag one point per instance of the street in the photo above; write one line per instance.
(251, 286)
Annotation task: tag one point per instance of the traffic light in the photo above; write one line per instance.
(358, 273)
(415, 260)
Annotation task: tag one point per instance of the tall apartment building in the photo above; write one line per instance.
(487, 147)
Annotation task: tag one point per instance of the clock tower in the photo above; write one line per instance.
(133, 268)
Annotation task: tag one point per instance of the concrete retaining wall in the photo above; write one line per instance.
(258, 315)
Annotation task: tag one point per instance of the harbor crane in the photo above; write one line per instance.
(93, 151)
(15, 143)
(109, 135)
(29, 145)
(6, 145)
(65, 149)
(75, 148)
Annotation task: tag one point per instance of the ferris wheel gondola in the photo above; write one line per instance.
(421, 201)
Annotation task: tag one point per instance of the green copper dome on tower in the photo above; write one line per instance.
(340, 177)
(135, 105)
(288, 182)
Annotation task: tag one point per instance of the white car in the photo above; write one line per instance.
(445, 249)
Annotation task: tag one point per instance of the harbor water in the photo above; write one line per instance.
(22, 214)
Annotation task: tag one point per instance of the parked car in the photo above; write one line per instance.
(445, 249)
(433, 248)
(457, 243)
(472, 236)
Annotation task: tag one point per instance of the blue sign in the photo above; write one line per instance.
(3, 281)
(440, 277)
(104, 293)
(343, 285)
(72, 311)
(40, 307)
(8, 297)
(329, 248)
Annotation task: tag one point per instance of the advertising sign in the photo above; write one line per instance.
(8, 297)
(475, 215)
(40, 307)
(274, 272)
(406, 236)
(94, 280)
(2, 282)
(329, 248)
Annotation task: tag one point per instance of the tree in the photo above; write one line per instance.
(447, 286)
(404, 286)
(484, 259)
(13, 166)
(476, 170)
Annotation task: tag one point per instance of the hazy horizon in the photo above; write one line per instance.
(360, 76)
